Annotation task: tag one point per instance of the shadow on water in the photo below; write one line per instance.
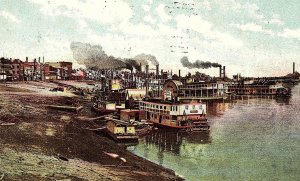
(217, 108)
(167, 141)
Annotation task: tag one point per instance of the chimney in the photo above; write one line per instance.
(26, 59)
(220, 71)
(147, 84)
(140, 67)
(293, 67)
(224, 72)
(157, 71)
(43, 59)
(34, 68)
(161, 72)
(39, 59)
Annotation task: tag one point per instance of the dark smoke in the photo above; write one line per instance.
(198, 64)
(131, 63)
(144, 59)
(93, 56)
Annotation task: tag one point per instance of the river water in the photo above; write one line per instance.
(250, 139)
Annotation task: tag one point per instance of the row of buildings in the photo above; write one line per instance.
(37, 69)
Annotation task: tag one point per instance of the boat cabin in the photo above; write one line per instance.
(174, 115)
(119, 127)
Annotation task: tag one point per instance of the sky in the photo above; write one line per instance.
(254, 38)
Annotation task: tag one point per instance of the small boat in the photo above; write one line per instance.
(120, 131)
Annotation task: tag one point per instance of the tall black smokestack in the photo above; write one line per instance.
(179, 73)
(224, 72)
(293, 67)
(39, 59)
(220, 68)
(157, 71)
(147, 81)
(34, 68)
(26, 59)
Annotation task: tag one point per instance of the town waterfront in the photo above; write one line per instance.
(250, 139)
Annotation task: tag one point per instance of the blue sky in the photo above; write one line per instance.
(255, 38)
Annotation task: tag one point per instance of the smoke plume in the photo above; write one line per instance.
(131, 63)
(198, 64)
(144, 59)
(93, 56)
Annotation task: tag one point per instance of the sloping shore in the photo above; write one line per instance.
(38, 143)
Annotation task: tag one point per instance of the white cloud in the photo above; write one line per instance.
(149, 19)
(253, 11)
(290, 33)
(275, 20)
(9, 16)
(146, 8)
(162, 14)
(252, 27)
(106, 12)
(197, 24)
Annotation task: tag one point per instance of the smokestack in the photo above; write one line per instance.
(147, 84)
(179, 73)
(224, 72)
(34, 68)
(43, 59)
(220, 68)
(293, 67)
(157, 71)
(39, 59)
(26, 59)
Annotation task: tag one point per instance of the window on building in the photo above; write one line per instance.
(194, 106)
(187, 107)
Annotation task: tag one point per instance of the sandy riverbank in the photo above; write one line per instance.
(44, 144)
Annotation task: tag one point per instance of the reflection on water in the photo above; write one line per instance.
(167, 141)
(251, 138)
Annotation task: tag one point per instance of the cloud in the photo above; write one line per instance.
(275, 20)
(9, 16)
(206, 29)
(162, 14)
(290, 33)
(252, 27)
(105, 12)
(149, 19)
(146, 8)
